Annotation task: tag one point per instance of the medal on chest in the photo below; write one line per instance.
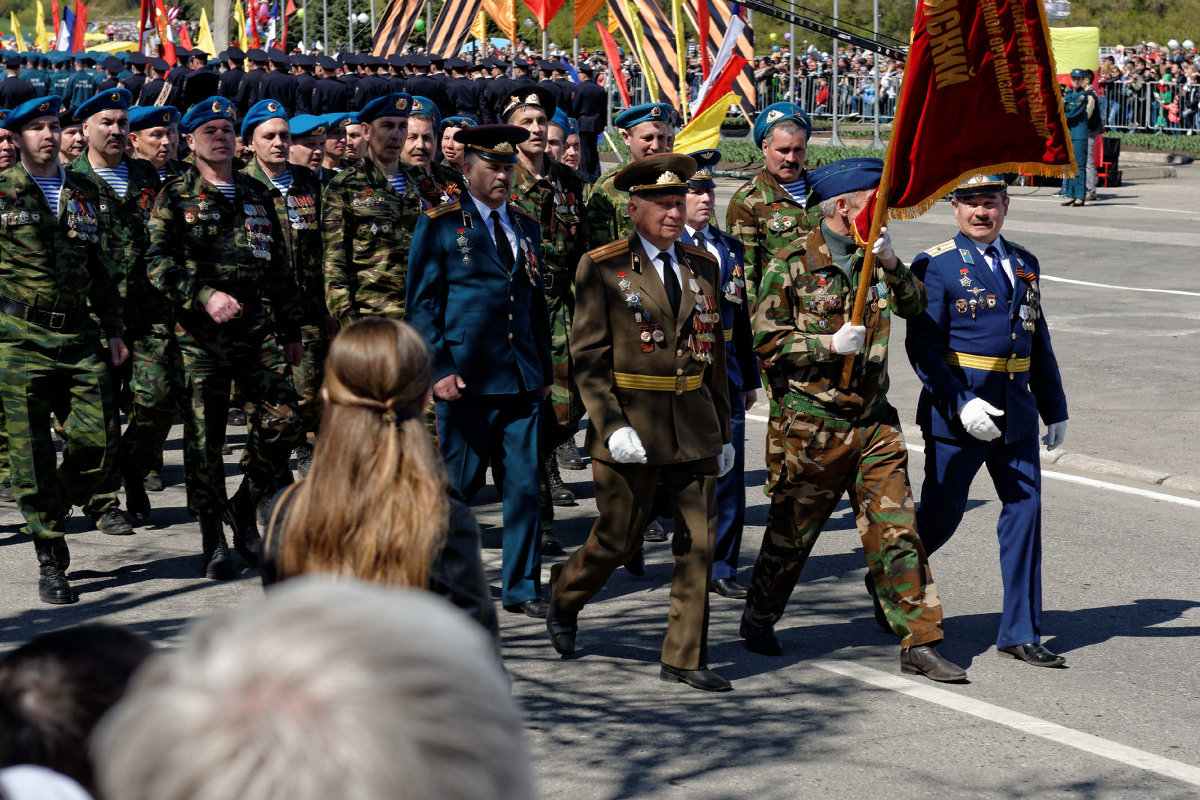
(81, 219)
(705, 319)
(302, 212)
(735, 289)
(779, 221)
(258, 230)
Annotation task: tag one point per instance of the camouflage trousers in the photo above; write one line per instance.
(307, 378)
(821, 460)
(5, 474)
(243, 350)
(66, 374)
(564, 395)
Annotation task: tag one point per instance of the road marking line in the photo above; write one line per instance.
(1082, 481)
(1025, 723)
(1122, 288)
(1111, 205)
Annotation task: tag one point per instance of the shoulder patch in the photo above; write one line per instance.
(944, 247)
(444, 208)
(609, 250)
(693, 250)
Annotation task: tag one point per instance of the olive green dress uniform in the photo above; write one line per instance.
(201, 243)
(151, 401)
(638, 364)
(824, 441)
(368, 231)
(300, 214)
(55, 284)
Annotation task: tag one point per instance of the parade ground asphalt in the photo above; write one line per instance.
(833, 717)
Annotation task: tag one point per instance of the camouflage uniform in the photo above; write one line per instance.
(151, 401)
(824, 440)
(305, 253)
(607, 220)
(765, 218)
(200, 243)
(53, 278)
(368, 230)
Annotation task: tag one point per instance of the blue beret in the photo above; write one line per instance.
(842, 177)
(980, 184)
(308, 125)
(108, 100)
(426, 108)
(30, 110)
(493, 142)
(259, 113)
(143, 117)
(778, 112)
(648, 112)
(560, 119)
(395, 104)
(463, 121)
(206, 111)
(706, 162)
(340, 120)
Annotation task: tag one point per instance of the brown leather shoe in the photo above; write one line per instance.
(924, 660)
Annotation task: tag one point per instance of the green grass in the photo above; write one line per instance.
(1188, 145)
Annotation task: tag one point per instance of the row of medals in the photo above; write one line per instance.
(81, 222)
(302, 212)
(258, 230)
(704, 324)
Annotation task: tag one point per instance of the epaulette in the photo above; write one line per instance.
(693, 250)
(444, 208)
(524, 213)
(609, 250)
(944, 247)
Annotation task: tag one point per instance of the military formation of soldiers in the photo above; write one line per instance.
(133, 279)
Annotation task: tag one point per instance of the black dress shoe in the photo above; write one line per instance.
(535, 607)
(728, 587)
(1032, 653)
(760, 639)
(551, 546)
(636, 565)
(880, 617)
(562, 628)
(654, 532)
(704, 679)
(925, 660)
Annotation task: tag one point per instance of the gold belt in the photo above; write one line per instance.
(728, 332)
(956, 359)
(658, 383)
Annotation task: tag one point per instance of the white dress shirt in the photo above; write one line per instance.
(505, 224)
(653, 253)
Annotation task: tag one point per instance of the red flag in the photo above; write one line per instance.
(79, 37)
(614, 60)
(288, 11)
(184, 39)
(979, 95)
(544, 10)
(724, 82)
(702, 27)
(57, 16)
(164, 32)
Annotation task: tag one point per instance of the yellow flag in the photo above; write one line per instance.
(43, 39)
(648, 74)
(239, 19)
(612, 21)
(479, 28)
(16, 27)
(204, 39)
(704, 131)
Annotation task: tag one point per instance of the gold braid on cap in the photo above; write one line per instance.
(667, 180)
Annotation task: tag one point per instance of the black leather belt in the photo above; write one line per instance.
(61, 321)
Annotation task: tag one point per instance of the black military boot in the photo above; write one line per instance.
(568, 456)
(560, 495)
(304, 454)
(112, 522)
(216, 563)
(136, 499)
(241, 514)
(54, 558)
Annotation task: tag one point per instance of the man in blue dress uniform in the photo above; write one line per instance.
(740, 362)
(983, 354)
(475, 293)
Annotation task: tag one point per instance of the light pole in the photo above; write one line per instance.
(325, 22)
(876, 143)
(834, 139)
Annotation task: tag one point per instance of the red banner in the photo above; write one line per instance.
(79, 37)
(614, 61)
(979, 95)
(57, 17)
(723, 84)
(543, 10)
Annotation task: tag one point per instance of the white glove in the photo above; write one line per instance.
(1056, 432)
(976, 417)
(883, 246)
(626, 446)
(725, 460)
(849, 339)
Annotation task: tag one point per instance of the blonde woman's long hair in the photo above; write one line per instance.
(374, 504)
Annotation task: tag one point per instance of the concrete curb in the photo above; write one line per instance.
(1103, 467)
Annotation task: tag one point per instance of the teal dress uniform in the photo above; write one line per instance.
(482, 313)
(973, 341)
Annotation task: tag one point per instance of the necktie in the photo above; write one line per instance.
(502, 242)
(993, 257)
(674, 292)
